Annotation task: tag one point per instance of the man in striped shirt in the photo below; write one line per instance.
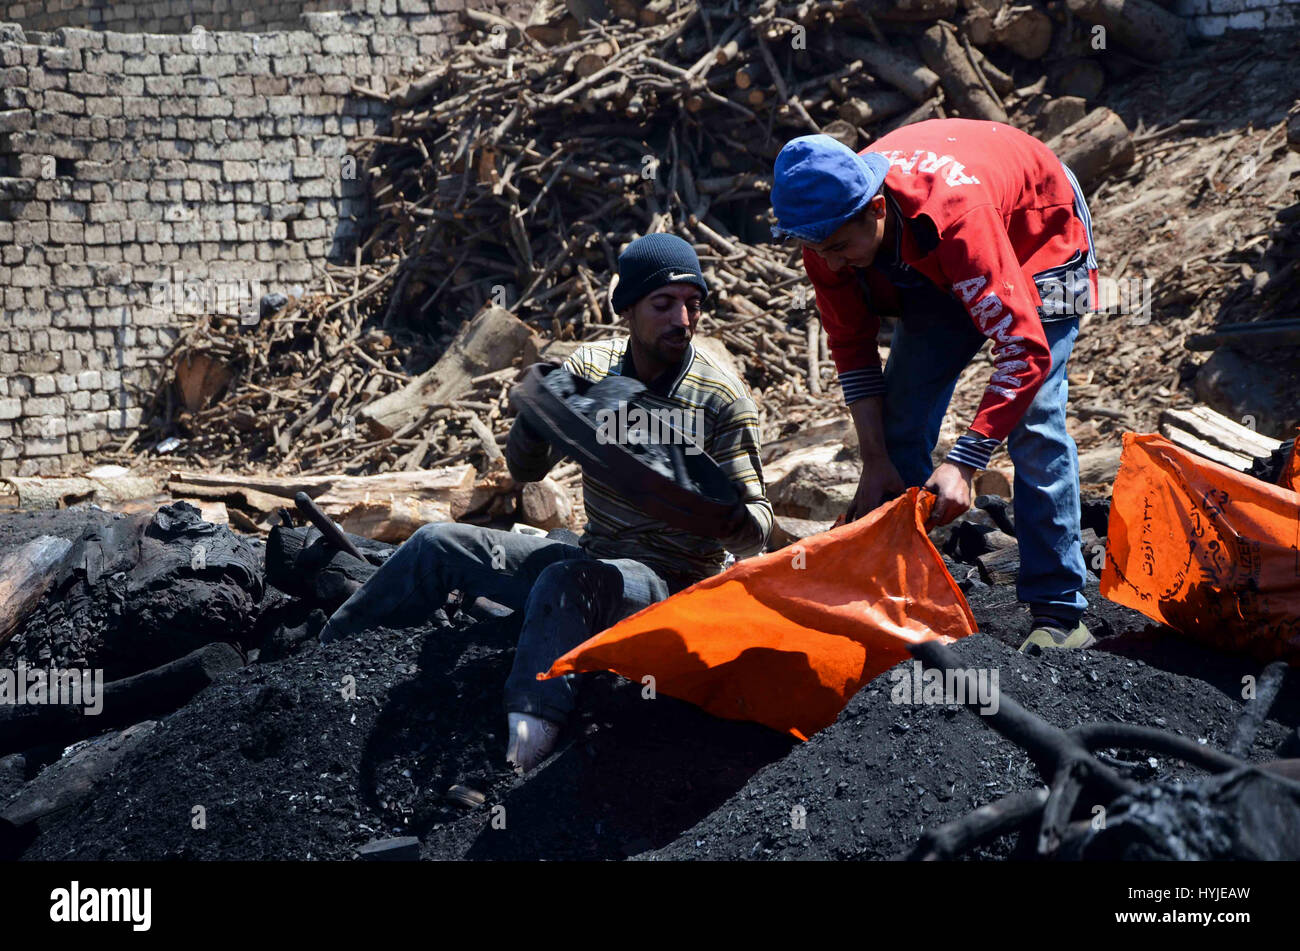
(625, 561)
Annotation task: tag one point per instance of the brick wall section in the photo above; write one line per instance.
(1216, 17)
(129, 159)
(161, 16)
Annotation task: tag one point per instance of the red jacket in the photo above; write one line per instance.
(1003, 209)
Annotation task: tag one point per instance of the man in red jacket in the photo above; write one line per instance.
(969, 231)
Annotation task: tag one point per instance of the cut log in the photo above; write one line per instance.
(336, 493)
(905, 74)
(545, 504)
(1000, 566)
(943, 53)
(997, 481)
(750, 75)
(297, 558)
(977, 26)
(1145, 29)
(843, 132)
(998, 508)
(817, 449)
(1057, 115)
(586, 11)
(37, 492)
(494, 339)
(74, 778)
(1024, 29)
(392, 520)
(1207, 449)
(563, 30)
(833, 432)
(250, 500)
(25, 576)
(1096, 145)
(1217, 429)
(874, 107)
(450, 485)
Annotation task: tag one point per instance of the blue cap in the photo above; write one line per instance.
(819, 183)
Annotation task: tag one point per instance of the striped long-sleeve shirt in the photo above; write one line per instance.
(615, 528)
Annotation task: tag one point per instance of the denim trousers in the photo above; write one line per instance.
(933, 342)
(566, 596)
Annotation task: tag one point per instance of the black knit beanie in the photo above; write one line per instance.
(651, 262)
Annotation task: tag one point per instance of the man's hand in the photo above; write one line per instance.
(879, 483)
(513, 404)
(736, 519)
(951, 485)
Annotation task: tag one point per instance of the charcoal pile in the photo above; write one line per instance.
(393, 734)
(141, 591)
(887, 773)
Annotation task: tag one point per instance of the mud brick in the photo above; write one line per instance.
(15, 120)
(100, 62)
(77, 39)
(180, 63)
(217, 65)
(124, 42)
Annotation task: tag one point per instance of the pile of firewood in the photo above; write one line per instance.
(516, 170)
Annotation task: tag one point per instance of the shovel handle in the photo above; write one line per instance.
(333, 534)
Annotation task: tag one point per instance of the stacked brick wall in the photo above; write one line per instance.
(1216, 17)
(145, 177)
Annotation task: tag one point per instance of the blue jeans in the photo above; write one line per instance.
(932, 344)
(566, 596)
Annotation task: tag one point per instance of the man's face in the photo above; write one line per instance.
(663, 321)
(854, 243)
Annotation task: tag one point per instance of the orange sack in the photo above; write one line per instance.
(1291, 471)
(1205, 549)
(787, 638)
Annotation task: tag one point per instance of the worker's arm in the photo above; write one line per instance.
(975, 253)
(879, 481)
(529, 454)
(851, 330)
(733, 443)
